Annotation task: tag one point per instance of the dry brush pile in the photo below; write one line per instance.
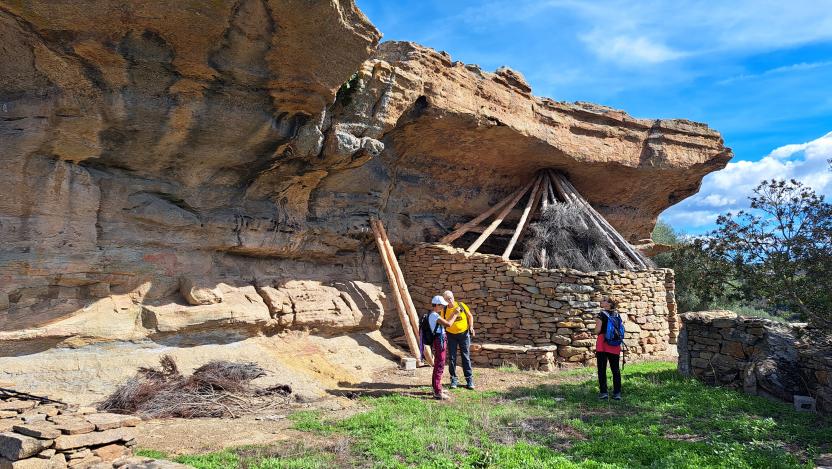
(568, 240)
(216, 389)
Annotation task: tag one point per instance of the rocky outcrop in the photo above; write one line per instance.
(169, 169)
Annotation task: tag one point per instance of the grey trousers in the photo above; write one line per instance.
(463, 342)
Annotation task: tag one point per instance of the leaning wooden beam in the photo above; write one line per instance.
(412, 343)
(521, 225)
(450, 238)
(548, 197)
(570, 195)
(549, 190)
(501, 216)
(626, 246)
(480, 229)
(413, 316)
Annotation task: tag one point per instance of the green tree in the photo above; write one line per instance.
(702, 280)
(781, 250)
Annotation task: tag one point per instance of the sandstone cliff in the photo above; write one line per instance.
(175, 166)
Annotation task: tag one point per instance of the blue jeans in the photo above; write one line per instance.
(463, 341)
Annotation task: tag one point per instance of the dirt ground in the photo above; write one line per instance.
(189, 436)
(334, 373)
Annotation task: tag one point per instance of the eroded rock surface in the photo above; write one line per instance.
(171, 167)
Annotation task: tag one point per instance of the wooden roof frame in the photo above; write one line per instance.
(548, 187)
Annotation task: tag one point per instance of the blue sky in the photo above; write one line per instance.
(758, 71)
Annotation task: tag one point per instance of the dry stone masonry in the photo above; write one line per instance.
(35, 435)
(759, 356)
(539, 317)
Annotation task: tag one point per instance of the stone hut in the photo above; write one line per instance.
(539, 318)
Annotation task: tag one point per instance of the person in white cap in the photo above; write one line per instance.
(460, 334)
(433, 332)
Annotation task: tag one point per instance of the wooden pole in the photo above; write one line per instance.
(450, 238)
(500, 217)
(412, 343)
(521, 225)
(544, 204)
(413, 316)
(633, 254)
(571, 196)
(549, 191)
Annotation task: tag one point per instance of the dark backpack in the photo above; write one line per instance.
(614, 335)
(426, 335)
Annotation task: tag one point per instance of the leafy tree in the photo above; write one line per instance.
(702, 280)
(780, 251)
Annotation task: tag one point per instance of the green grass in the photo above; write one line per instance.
(664, 421)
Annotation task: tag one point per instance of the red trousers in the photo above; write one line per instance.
(440, 353)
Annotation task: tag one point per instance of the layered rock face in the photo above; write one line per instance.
(171, 167)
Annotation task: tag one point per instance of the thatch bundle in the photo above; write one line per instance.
(568, 240)
(216, 389)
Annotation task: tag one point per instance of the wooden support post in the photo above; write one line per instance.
(521, 225)
(450, 238)
(500, 217)
(412, 343)
(626, 246)
(548, 195)
(544, 204)
(570, 195)
(412, 314)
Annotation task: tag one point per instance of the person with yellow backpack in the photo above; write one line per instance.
(460, 333)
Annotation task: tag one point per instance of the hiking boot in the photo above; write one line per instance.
(454, 384)
(617, 396)
(470, 386)
(441, 397)
(604, 396)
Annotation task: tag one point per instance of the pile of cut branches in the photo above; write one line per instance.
(568, 240)
(216, 389)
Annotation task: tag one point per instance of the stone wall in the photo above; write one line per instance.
(759, 356)
(547, 313)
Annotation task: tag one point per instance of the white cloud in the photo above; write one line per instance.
(729, 189)
(716, 200)
(628, 50)
(654, 31)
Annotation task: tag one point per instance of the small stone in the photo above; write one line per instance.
(93, 439)
(109, 452)
(57, 461)
(47, 453)
(31, 463)
(107, 421)
(17, 405)
(72, 425)
(43, 431)
(86, 462)
(79, 454)
(14, 446)
(33, 417)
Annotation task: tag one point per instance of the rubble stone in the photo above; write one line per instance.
(93, 439)
(107, 421)
(14, 446)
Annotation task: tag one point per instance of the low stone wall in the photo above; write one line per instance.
(54, 436)
(759, 356)
(542, 358)
(542, 307)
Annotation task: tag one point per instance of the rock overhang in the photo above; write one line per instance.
(485, 133)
